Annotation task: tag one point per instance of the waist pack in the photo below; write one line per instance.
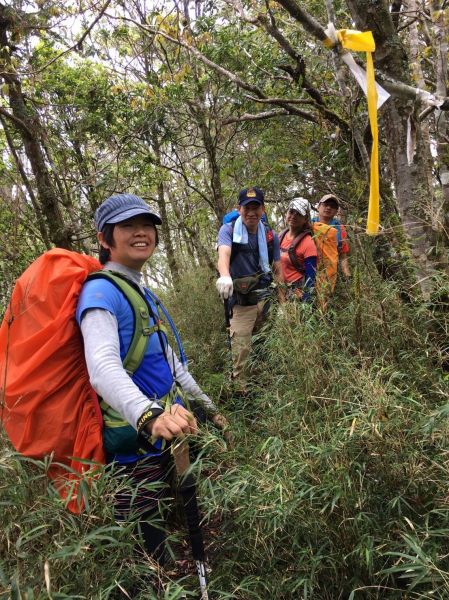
(247, 291)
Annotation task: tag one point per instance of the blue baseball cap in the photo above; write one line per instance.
(121, 207)
(251, 194)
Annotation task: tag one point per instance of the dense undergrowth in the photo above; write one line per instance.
(336, 486)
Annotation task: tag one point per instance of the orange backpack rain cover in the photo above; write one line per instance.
(47, 405)
(325, 238)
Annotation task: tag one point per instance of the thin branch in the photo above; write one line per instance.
(339, 68)
(271, 29)
(300, 70)
(78, 44)
(279, 100)
(331, 11)
(407, 25)
(25, 180)
(307, 21)
(187, 181)
(269, 114)
(228, 74)
(238, 7)
(405, 91)
(19, 165)
(16, 120)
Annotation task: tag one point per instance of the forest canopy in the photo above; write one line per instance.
(185, 103)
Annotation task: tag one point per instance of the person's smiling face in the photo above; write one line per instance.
(251, 214)
(295, 220)
(134, 241)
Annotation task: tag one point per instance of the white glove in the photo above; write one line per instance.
(224, 287)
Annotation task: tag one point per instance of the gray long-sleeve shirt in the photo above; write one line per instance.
(108, 377)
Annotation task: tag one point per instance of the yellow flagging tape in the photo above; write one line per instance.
(359, 41)
(372, 225)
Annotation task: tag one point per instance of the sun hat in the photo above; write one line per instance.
(121, 207)
(301, 205)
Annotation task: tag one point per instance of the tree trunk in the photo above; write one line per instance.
(198, 111)
(27, 123)
(26, 183)
(50, 208)
(191, 237)
(440, 20)
(411, 194)
(412, 190)
(165, 227)
(415, 63)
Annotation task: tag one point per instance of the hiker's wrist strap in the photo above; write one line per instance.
(143, 420)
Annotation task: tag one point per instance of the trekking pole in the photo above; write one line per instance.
(187, 488)
(228, 317)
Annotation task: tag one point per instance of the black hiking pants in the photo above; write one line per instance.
(141, 498)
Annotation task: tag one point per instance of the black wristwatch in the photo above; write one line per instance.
(145, 418)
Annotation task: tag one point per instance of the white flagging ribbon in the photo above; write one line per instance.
(360, 75)
(356, 70)
(428, 98)
(411, 142)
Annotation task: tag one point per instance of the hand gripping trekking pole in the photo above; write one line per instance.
(187, 489)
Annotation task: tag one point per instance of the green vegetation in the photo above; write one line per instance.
(336, 486)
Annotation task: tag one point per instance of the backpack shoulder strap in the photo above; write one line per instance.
(233, 245)
(282, 235)
(138, 305)
(175, 332)
(269, 233)
(337, 225)
(299, 265)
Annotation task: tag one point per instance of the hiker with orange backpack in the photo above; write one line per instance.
(144, 402)
(328, 207)
(248, 258)
(298, 253)
(331, 240)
